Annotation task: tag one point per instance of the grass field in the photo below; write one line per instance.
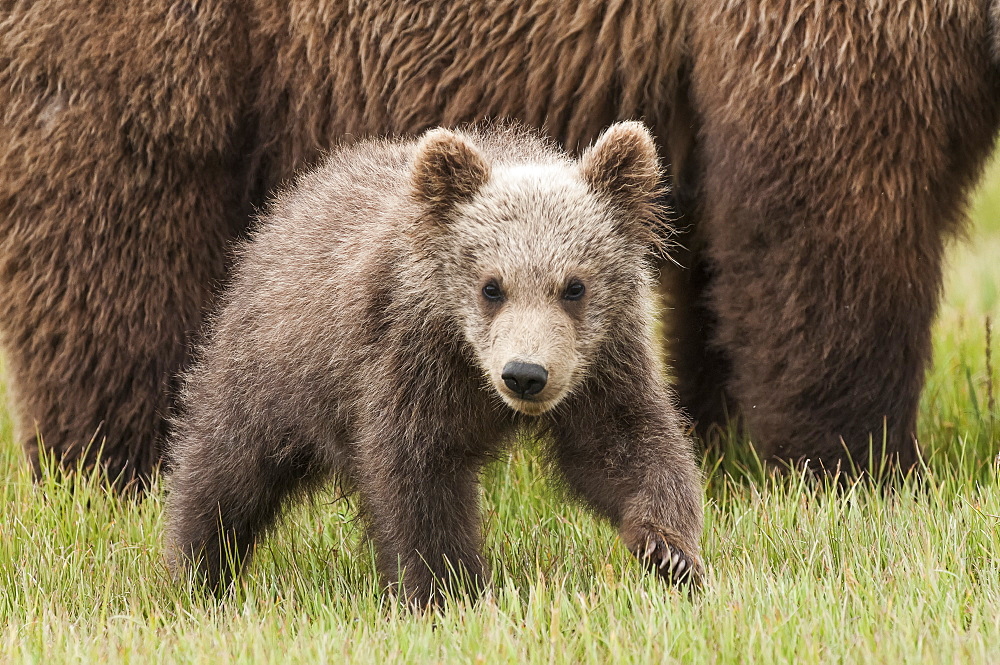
(796, 572)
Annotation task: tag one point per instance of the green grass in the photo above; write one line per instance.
(797, 572)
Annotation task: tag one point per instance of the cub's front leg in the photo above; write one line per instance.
(420, 494)
(623, 451)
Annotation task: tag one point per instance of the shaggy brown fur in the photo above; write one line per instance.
(823, 224)
(995, 28)
(370, 332)
(820, 153)
(120, 187)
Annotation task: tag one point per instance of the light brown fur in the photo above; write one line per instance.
(820, 154)
(359, 339)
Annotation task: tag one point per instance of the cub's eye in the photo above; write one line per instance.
(574, 291)
(492, 292)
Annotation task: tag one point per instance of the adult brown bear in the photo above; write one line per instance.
(821, 154)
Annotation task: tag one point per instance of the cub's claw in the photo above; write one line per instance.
(669, 561)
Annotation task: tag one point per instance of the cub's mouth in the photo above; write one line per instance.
(528, 407)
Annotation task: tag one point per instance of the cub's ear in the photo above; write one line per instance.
(447, 169)
(624, 166)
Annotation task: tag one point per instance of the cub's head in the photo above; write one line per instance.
(540, 259)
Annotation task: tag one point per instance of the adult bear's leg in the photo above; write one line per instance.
(701, 370)
(117, 198)
(98, 310)
(836, 150)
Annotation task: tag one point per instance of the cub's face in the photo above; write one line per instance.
(541, 276)
(540, 262)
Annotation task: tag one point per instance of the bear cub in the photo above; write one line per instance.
(399, 315)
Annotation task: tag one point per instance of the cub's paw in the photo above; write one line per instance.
(658, 553)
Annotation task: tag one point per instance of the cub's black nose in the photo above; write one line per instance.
(525, 379)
